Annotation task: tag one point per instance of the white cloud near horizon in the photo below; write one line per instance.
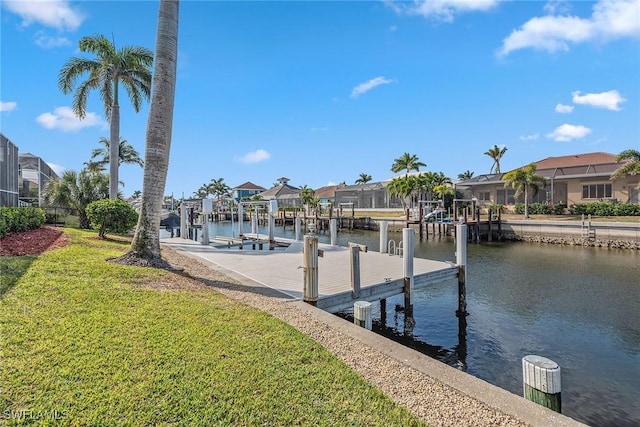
(442, 10)
(8, 105)
(531, 137)
(610, 20)
(64, 119)
(567, 132)
(564, 109)
(51, 13)
(257, 156)
(609, 100)
(367, 86)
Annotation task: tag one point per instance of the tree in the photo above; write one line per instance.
(76, 190)
(632, 167)
(126, 154)
(363, 178)
(145, 245)
(306, 195)
(219, 188)
(111, 216)
(465, 176)
(496, 154)
(402, 187)
(408, 162)
(203, 192)
(521, 180)
(129, 66)
(136, 194)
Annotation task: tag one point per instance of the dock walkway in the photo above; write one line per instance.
(381, 275)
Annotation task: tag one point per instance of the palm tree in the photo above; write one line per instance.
(465, 176)
(408, 162)
(630, 168)
(76, 190)
(126, 154)
(129, 66)
(145, 246)
(363, 178)
(402, 187)
(496, 154)
(219, 188)
(307, 195)
(522, 179)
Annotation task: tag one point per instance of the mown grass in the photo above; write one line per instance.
(82, 343)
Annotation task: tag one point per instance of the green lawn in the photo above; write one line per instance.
(82, 343)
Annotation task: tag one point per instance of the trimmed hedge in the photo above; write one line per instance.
(20, 219)
(111, 216)
(605, 209)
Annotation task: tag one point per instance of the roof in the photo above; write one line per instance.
(248, 186)
(327, 191)
(279, 190)
(576, 160)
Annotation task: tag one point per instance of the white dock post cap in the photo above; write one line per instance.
(362, 314)
(541, 373)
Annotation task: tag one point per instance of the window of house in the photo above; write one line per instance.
(484, 196)
(597, 191)
(506, 197)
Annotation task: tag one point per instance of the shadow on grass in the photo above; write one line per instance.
(12, 269)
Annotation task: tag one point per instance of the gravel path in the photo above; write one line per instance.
(429, 399)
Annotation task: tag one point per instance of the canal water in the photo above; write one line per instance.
(579, 307)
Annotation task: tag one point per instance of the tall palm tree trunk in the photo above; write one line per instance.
(114, 147)
(145, 247)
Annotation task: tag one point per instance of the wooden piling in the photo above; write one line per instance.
(310, 265)
(407, 268)
(461, 261)
(355, 270)
(541, 380)
(362, 314)
(384, 229)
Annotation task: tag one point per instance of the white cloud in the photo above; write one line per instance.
(51, 13)
(64, 119)
(608, 100)
(565, 109)
(8, 106)
(255, 156)
(367, 86)
(567, 132)
(47, 42)
(531, 137)
(557, 6)
(610, 20)
(443, 10)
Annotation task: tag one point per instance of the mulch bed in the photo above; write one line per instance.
(32, 242)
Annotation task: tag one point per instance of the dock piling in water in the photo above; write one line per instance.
(541, 380)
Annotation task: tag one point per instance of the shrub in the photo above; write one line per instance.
(496, 208)
(20, 219)
(111, 216)
(558, 208)
(605, 209)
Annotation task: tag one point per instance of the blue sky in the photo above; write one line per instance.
(320, 92)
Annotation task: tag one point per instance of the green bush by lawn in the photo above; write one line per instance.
(86, 342)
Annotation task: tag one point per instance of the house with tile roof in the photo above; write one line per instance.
(248, 189)
(283, 193)
(578, 178)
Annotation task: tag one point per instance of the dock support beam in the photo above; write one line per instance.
(273, 211)
(461, 261)
(384, 232)
(310, 253)
(298, 227)
(407, 268)
(205, 228)
(355, 270)
(240, 220)
(333, 230)
(541, 379)
(183, 222)
(362, 314)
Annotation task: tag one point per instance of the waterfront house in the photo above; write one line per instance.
(578, 178)
(246, 190)
(372, 195)
(285, 194)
